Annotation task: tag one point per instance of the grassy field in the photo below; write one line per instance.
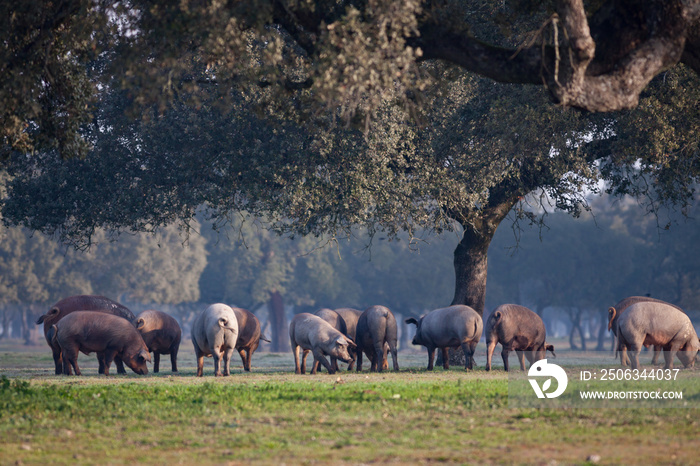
(271, 416)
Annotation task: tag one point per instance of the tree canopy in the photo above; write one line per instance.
(239, 107)
(347, 57)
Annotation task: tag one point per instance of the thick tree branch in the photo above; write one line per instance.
(572, 70)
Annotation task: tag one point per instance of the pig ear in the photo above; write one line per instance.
(411, 320)
(550, 348)
(140, 323)
(145, 355)
(351, 343)
(497, 315)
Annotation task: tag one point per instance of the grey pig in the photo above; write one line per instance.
(338, 323)
(311, 333)
(376, 328)
(215, 333)
(449, 327)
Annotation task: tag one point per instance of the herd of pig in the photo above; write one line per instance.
(97, 324)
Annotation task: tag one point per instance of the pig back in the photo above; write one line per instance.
(616, 311)
(310, 331)
(509, 322)
(160, 331)
(334, 319)
(350, 316)
(97, 331)
(83, 303)
(659, 322)
(451, 326)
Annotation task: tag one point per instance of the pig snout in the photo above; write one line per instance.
(341, 352)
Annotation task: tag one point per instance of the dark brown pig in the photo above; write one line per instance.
(249, 335)
(614, 314)
(351, 316)
(375, 328)
(311, 333)
(81, 303)
(162, 335)
(89, 331)
(517, 329)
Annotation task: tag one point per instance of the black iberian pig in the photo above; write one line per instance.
(249, 335)
(81, 303)
(351, 316)
(162, 335)
(614, 314)
(376, 328)
(517, 329)
(215, 333)
(88, 331)
(449, 327)
(649, 323)
(338, 323)
(311, 333)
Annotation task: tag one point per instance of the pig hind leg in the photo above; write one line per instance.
(504, 354)
(657, 353)
(359, 360)
(156, 362)
(431, 357)
(379, 356)
(295, 351)
(70, 358)
(216, 354)
(445, 358)
(108, 357)
(394, 356)
(468, 349)
(173, 359)
(304, 354)
(228, 354)
(242, 354)
(200, 359)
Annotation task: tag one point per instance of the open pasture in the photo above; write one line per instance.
(272, 416)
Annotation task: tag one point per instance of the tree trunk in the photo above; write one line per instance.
(471, 261)
(471, 267)
(278, 323)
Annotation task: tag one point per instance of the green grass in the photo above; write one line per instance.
(271, 416)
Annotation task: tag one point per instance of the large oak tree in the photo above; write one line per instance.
(239, 106)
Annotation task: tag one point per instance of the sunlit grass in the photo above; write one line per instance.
(272, 415)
